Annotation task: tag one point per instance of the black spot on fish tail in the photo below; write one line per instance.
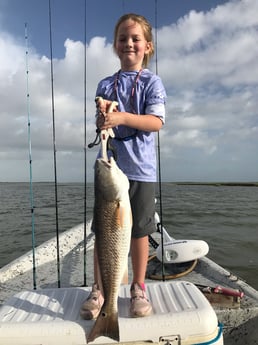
(106, 325)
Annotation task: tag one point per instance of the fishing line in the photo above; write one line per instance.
(159, 154)
(85, 154)
(54, 145)
(30, 164)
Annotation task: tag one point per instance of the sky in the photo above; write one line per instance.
(207, 58)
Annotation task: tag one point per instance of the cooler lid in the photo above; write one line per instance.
(51, 316)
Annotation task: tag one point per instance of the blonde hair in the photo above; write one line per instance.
(147, 32)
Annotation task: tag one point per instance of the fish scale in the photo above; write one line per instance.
(111, 270)
(112, 226)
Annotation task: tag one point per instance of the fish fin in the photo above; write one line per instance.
(119, 215)
(105, 325)
(122, 215)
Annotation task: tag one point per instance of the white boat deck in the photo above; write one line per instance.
(51, 316)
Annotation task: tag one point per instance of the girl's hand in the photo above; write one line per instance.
(112, 120)
(104, 104)
(105, 120)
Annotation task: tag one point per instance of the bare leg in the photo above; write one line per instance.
(91, 307)
(97, 275)
(140, 305)
(125, 277)
(139, 254)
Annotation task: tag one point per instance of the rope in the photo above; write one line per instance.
(54, 147)
(30, 164)
(171, 276)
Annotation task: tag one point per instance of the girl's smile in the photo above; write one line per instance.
(131, 45)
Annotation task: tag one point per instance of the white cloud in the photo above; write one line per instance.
(208, 63)
(218, 46)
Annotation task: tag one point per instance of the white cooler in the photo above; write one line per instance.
(182, 315)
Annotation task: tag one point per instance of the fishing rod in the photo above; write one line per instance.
(30, 164)
(85, 154)
(54, 145)
(159, 153)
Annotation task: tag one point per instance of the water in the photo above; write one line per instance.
(224, 216)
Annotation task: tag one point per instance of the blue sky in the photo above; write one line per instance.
(68, 18)
(207, 59)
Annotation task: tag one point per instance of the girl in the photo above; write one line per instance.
(141, 112)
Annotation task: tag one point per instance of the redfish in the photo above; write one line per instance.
(112, 226)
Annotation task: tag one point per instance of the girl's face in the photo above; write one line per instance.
(131, 45)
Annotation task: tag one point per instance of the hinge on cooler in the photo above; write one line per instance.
(170, 340)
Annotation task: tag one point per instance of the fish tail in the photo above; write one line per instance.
(105, 325)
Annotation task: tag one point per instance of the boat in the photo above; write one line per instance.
(217, 305)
